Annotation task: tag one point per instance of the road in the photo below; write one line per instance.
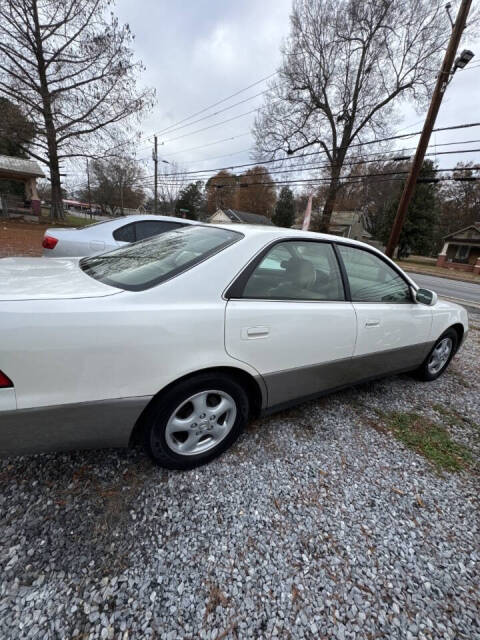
(465, 291)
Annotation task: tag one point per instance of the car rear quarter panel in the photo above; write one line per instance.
(128, 345)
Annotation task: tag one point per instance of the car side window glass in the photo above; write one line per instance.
(125, 233)
(296, 271)
(371, 279)
(148, 228)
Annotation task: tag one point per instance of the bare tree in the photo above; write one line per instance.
(69, 64)
(346, 65)
(116, 185)
(171, 181)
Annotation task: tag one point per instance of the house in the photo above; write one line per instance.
(349, 224)
(461, 250)
(232, 215)
(21, 170)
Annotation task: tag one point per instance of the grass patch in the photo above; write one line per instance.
(429, 439)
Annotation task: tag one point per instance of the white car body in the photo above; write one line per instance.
(99, 237)
(86, 358)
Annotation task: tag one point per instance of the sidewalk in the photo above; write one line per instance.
(439, 272)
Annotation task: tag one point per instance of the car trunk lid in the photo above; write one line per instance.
(48, 279)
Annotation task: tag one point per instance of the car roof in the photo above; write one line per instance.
(146, 216)
(274, 233)
(280, 232)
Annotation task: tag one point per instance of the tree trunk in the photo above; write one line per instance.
(333, 188)
(56, 209)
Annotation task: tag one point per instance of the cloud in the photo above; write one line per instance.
(197, 53)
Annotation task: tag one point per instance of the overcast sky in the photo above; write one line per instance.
(197, 52)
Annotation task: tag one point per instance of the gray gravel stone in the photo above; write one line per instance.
(317, 524)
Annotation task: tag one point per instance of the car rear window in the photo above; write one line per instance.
(147, 263)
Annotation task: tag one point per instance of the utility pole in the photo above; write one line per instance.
(155, 162)
(442, 82)
(89, 191)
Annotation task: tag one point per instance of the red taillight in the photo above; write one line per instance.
(4, 381)
(49, 242)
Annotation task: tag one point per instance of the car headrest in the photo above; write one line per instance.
(300, 271)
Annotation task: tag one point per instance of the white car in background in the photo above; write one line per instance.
(104, 236)
(178, 340)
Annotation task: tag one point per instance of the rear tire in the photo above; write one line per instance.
(439, 357)
(196, 421)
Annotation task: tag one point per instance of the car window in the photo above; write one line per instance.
(125, 233)
(148, 228)
(275, 257)
(371, 279)
(297, 271)
(147, 263)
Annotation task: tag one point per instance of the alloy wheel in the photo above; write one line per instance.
(440, 355)
(199, 423)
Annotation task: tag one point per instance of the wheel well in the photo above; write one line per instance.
(249, 383)
(460, 331)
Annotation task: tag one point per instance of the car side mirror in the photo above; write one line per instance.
(425, 296)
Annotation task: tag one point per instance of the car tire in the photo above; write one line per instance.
(439, 356)
(195, 421)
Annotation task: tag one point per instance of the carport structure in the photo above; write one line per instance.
(26, 171)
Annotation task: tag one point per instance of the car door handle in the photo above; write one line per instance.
(372, 323)
(250, 333)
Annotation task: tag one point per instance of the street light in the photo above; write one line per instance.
(463, 59)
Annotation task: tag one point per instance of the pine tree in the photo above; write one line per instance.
(284, 215)
(418, 233)
(190, 199)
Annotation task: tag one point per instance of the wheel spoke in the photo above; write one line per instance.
(190, 443)
(178, 424)
(200, 403)
(219, 430)
(222, 407)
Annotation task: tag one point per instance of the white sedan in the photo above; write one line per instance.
(178, 340)
(99, 237)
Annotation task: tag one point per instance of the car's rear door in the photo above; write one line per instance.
(291, 321)
(393, 330)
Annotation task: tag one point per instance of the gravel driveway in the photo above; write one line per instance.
(319, 523)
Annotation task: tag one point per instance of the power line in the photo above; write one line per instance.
(197, 113)
(357, 144)
(178, 178)
(216, 113)
(211, 126)
(210, 144)
(235, 180)
(352, 180)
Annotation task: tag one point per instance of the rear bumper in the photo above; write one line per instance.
(87, 425)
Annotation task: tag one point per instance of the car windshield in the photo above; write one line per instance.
(147, 263)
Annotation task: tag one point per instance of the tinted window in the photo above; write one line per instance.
(149, 228)
(149, 262)
(125, 233)
(371, 279)
(297, 271)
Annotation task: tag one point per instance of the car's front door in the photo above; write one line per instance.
(288, 318)
(393, 331)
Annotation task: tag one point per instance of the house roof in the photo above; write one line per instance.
(475, 227)
(14, 167)
(344, 217)
(246, 217)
